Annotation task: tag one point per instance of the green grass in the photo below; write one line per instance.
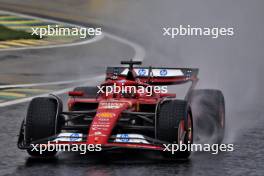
(10, 34)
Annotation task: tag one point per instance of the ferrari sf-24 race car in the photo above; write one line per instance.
(127, 120)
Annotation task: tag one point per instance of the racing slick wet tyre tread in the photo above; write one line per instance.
(41, 121)
(170, 115)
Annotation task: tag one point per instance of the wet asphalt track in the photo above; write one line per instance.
(247, 159)
(225, 60)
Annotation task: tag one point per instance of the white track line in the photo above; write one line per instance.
(43, 84)
(139, 55)
(58, 92)
(139, 51)
(94, 39)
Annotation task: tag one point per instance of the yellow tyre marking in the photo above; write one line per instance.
(43, 42)
(34, 42)
(4, 46)
(20, 22)
(23, 42)
(14, 43)
(12, 94)
(29, 42)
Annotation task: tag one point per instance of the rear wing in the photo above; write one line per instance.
(156, 75)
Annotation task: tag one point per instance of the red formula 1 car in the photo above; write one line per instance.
(146, 117)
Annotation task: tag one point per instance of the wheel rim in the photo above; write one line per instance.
(180, 131)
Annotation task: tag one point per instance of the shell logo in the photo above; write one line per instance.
(106, 115)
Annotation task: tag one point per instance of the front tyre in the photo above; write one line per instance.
(42, 121)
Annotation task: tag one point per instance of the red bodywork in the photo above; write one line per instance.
(110, 108)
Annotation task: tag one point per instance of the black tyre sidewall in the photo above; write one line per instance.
(42, 121)
(171, 113)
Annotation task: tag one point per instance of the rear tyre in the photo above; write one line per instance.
(208, 107)
(42, 121)
(174, 125)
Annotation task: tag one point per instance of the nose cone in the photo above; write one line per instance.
(104, 121)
